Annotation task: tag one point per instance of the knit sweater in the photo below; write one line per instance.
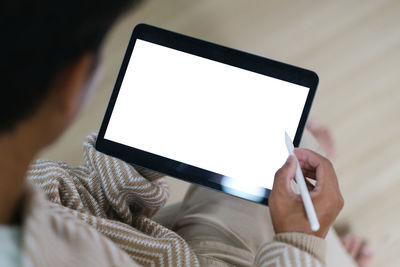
(99, 214)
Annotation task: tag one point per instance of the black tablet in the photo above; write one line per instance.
(205, 113)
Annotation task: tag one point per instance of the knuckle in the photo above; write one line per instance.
(328, 205)
(340, 202)
(280, 173)
(328, 163)
(335, 204)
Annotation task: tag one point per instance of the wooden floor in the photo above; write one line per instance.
(354, 46)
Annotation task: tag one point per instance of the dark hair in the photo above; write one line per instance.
(39, 39)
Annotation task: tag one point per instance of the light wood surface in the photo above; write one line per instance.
(354, 46)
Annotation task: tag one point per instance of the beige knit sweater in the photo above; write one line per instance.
(99, 214)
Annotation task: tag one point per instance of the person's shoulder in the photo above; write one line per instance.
(51, 229)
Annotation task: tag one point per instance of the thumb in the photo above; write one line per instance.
(284, 175)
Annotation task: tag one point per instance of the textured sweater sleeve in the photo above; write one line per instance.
(103, 186)
(118, 201)
(292, 249)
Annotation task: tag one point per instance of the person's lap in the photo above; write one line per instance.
(221, 226)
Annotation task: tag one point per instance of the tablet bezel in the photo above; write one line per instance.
(217, 53)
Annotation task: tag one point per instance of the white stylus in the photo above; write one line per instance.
(305, 195)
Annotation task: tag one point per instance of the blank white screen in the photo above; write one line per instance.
(205, 113)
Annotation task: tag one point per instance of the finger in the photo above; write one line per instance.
(355, 246)
(309, 158)
(306, 166)
(346, 241)
(308, 170)
(365, 255)
(310, 186)
(313, 162)
(309, 174)
(283, 177)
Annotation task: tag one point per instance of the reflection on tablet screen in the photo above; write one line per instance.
(207, 114)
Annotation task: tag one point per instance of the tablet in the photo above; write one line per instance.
(205, 113)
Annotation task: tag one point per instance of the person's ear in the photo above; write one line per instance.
(70, 86)
(62, 103)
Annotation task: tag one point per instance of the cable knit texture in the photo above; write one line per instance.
(311, 244)
(99, 214)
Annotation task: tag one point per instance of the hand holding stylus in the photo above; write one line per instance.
(301, 183)
(287, 208)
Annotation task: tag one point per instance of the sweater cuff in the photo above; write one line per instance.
(311, 244)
